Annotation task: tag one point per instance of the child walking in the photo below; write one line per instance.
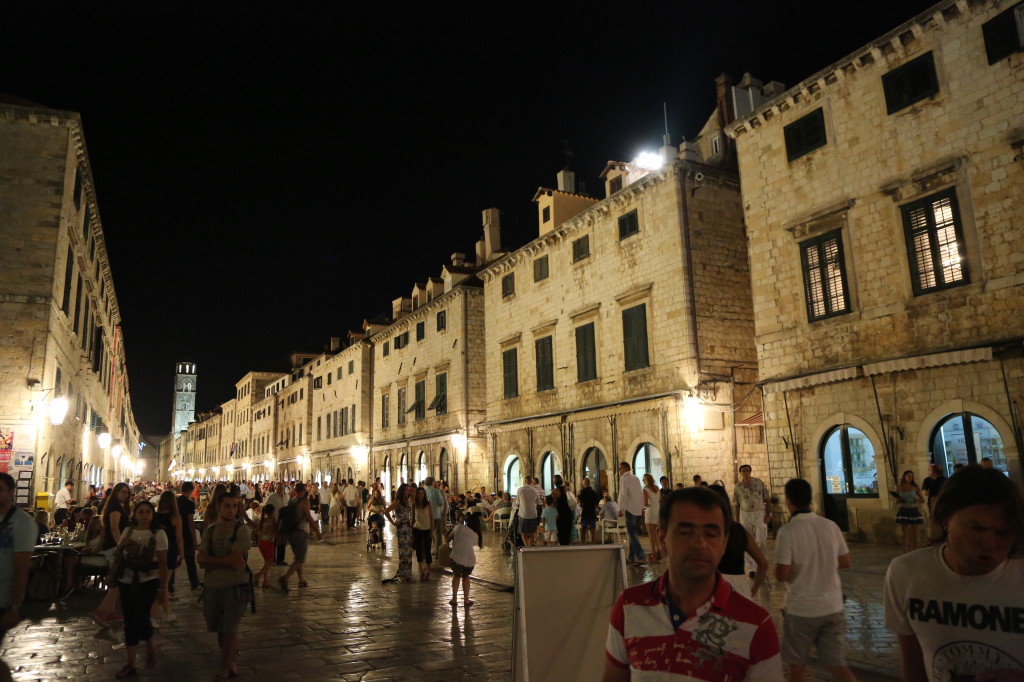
(266, 532)
(464, 539)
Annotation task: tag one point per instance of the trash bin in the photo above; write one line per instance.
(43, 500)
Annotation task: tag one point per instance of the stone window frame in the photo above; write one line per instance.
(510, 344)
(817, 243)
(627, 300)
(913, 81)
(794, 135)
(628, 224)
(1001, 28)
(541, 269)
(578, 254)
(581, 318)
(960, 234)
(508, 285)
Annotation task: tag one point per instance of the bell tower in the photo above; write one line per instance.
(183, 411)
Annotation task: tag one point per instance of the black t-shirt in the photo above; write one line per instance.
(589, 499)
(932, 486)
(186, 507)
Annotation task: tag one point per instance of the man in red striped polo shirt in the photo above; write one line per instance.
(690, 624)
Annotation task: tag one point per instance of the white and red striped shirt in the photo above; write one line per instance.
(729, 638)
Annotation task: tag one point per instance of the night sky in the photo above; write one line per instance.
(269, 175)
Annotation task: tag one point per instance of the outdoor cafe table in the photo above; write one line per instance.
(55, 570)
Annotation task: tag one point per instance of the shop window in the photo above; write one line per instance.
(848, 460)
(966, 438)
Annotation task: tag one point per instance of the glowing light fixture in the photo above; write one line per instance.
(103, 440)
(458, 440)
(116, 450)
(359, 453)
(57, 410)
(649, 161)
(693, 410)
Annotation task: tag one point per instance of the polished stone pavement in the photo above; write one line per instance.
(347, 626)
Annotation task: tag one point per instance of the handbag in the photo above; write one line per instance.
(444, 555)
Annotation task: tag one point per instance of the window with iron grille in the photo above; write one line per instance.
(540, 269)
(910, 83)
(629, 224)
(1004, 34)
(580, 248)
(545, 363)
(935, 243)
(805, 134)
(508, 284)
(586, 353)
(510, 373)
(824, 276)
(634, 337)
(442, 320)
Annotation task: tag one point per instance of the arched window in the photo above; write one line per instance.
(647, 460)
(848, 463)
(328, 478)
(319, 477)
(442, 468)
(966, 438)
(403, 468)
(351, 475)
(421, 467)
(595, 467)
(513, 474)
(549, 467)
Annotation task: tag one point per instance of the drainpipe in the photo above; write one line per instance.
(691, 295)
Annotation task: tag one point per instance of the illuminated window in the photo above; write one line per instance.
(935, 243)
(824, 276)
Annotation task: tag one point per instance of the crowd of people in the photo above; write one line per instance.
(139, 535)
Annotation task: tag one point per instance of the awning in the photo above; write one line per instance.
(956, 357)
(813, 380)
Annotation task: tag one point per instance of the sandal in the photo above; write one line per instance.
(303, 583)
(454, 602)
(127, 671)
(469, 602)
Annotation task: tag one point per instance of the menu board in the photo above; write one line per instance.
(17, 458)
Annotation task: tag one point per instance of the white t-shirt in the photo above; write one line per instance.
(62, 499)
(966, 624)
(142, 537)
(527, 499)
(352, 496)
(464, 544)
(325, 495)
(811, 546)
(19, 535)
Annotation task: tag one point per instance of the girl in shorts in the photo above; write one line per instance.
(464, 539)
(266, 532)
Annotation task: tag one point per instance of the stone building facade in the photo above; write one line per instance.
(62, 336)
(340, 409)
(428, 387)
(886, 237)
(623, 332)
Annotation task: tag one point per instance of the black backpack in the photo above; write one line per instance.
(288, 519)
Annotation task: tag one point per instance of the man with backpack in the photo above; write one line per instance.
(293, 523)
(228, 584)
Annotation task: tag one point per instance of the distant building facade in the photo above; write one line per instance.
(885, 217)
(62, 337)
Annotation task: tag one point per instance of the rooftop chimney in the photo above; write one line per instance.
(458, 259)
(567, 181)
(335, 343)
(481, 254)
(492, 232)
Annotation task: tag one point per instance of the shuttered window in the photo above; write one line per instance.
(910, 83)
(581, 248)
(629, 224)
(540, 269)
(1004, 34)
(586, 353)
(804, 135)
(545, 364)
(634, 337)
(935, 245)
(510, 373)
(824, 276)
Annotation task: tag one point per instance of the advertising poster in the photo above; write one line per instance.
(17, 458)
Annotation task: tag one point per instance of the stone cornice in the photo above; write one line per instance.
(895, 41)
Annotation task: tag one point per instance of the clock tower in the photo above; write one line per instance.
(183, 412)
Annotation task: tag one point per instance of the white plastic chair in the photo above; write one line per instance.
(613, 528)
(501, 518)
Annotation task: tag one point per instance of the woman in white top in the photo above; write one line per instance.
(652, 510)
(140, 567)
(334, 511)
(464, 539)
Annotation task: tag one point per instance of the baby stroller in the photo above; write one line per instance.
(513, 540)
(375, 532)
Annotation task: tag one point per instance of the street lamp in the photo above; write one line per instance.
(103, 440)
(57, 410)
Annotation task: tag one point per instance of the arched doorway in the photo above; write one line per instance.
(550, 466)
(512, 474)
(385, 477)
(442, 467)
(421, 467)
(403, 468)
(847, 464)
(595, 467)
(647, 460)
(966, 438)
(351, 475)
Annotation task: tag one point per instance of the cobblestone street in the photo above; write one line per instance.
(348, 626)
